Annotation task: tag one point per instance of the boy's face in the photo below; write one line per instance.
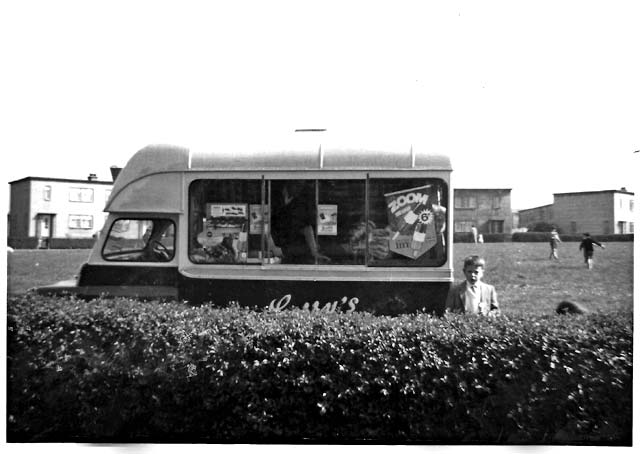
(473, 273)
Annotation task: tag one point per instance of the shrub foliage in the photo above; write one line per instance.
(467, 237)
(537, 237)
(123, 370)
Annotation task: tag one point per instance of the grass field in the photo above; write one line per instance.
(526, 280)
(28, 268)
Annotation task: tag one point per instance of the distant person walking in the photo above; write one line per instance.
(554, 241)
(474, 232)
(586, 246)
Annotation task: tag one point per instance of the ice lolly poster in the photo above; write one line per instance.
(411, 221)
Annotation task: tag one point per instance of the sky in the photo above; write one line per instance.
(540, 97)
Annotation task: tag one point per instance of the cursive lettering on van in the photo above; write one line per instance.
(281, 304)
(345, 304)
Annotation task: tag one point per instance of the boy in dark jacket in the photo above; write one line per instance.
(586, 246)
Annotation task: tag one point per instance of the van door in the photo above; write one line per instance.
(137, 258)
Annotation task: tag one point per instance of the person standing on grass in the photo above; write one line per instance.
(586, 245)
(554, 240)
(473, 296)
(474, 232)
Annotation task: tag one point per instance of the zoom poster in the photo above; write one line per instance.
(411, 220)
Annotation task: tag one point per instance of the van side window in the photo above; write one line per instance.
(319, 222)
(276, 221)
(140, 240)
(225, 221)
(316, 222)
(341, 220)
(407, 222)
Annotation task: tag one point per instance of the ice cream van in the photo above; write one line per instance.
(320, 226)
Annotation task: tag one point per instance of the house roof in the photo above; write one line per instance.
(535, 208)
(482, 189)
(61, 180)
(620, 191)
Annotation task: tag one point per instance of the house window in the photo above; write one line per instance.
(630, 227)
(463, 226)
(465, 202)
(84, 195)
(80, 221)
(496, 226)
(631, 205)
(496, 201)
(46, 193)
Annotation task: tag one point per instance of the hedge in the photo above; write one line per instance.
(533, 237)
(23, 243)
(462, 237)
(126, 371)
(54, 243)
(467, 237)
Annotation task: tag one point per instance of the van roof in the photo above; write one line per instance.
(168, 158)
(163, 159)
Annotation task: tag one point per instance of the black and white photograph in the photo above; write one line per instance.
(288, 225)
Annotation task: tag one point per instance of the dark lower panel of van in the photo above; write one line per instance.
(114, 275)
(339, 296)
(377, 297)
(66, 288)
(94, 281)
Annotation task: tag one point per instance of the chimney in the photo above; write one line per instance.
(92, 177)
(624, 189)
(115, 171)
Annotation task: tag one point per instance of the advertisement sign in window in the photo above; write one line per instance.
(328, 220)
(258, 217)
(411, 221)
(224, 234)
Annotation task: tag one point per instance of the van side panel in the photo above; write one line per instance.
(157, 193)
(384, 298)
(94, 281)
(95, 275)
